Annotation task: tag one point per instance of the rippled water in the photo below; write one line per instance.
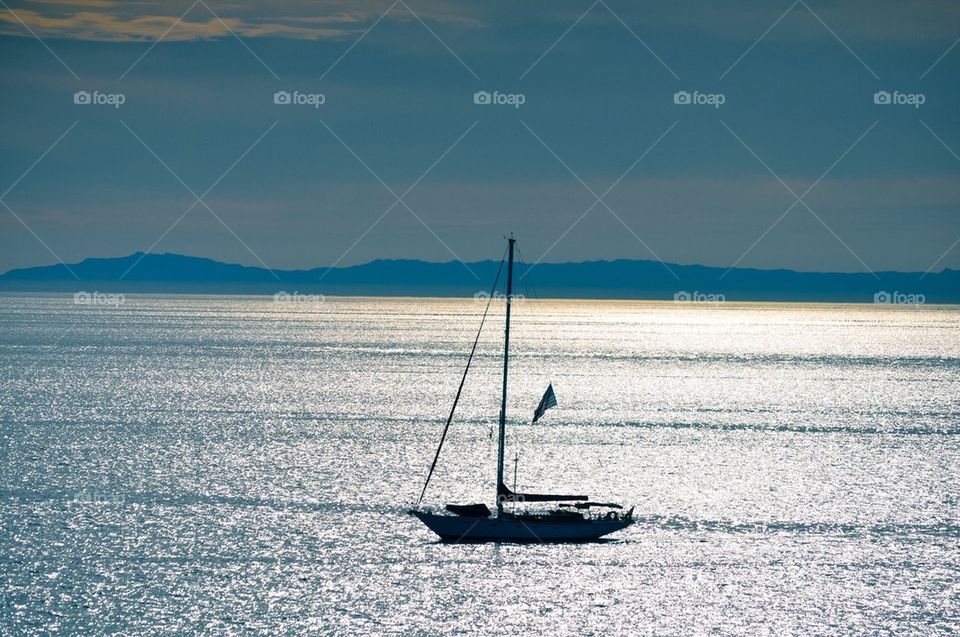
(187, 464)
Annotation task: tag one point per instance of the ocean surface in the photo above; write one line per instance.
(234, 465)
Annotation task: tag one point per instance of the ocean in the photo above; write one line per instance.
(239, 465)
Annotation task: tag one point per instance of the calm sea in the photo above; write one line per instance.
(232, 465)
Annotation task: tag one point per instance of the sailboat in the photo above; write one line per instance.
(575, 518)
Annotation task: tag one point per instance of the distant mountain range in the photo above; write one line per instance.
(624, 279)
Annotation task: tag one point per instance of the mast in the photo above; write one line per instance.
(506, 361)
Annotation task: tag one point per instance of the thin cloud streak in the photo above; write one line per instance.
(108, 21)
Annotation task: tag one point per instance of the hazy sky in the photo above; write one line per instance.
(798, 167)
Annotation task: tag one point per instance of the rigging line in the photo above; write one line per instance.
(530, 287)
(528, 283)
(466, 369)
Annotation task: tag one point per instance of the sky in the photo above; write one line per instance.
(810, 135)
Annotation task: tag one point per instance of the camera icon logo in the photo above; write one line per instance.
(281, 97)
(881, 97)
(882, 297)
(682, 296)
(81, 97)
(481, 97)
(681, 97)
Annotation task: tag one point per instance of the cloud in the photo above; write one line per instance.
(113, 20)
(110, 21)
(109, 27)
(77, 3)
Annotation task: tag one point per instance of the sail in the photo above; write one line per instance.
(549, 400)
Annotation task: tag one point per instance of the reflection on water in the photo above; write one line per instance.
(226, 464)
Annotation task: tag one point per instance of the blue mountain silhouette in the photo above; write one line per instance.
(622, 278)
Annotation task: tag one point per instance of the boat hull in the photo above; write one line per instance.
(452, 528)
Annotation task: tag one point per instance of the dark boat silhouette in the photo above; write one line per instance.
(576, 518)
